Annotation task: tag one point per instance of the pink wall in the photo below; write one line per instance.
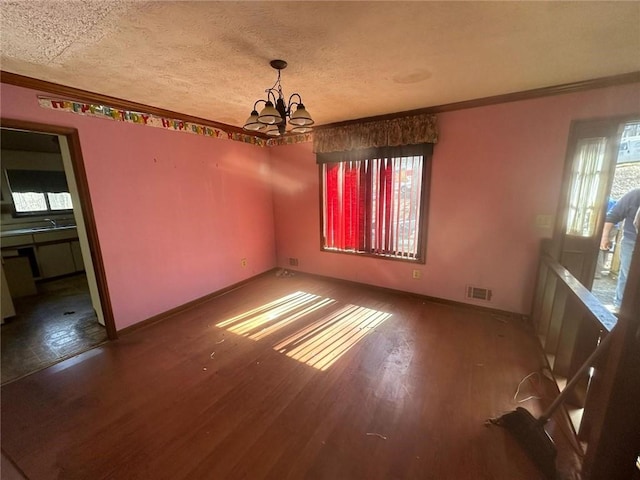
(175, 212)
(494, 169)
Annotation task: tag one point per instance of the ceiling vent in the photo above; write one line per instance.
(477, 293)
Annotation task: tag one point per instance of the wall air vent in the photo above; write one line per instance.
(293, 262)
(477, 293)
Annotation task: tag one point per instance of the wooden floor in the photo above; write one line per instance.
(286, 378)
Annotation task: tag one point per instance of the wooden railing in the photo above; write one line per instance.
(570, 323)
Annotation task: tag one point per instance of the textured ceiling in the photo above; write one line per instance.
(347, 59)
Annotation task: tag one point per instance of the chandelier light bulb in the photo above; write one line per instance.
(269, 115)
(272, 131)
(301, 117)
(252, 124)
(299, 130)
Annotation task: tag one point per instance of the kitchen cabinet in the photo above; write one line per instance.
(76, 253)
(16, 241)
(6, 302)
(55, 259)
(55, 235)
(19, 277)
(55, 251)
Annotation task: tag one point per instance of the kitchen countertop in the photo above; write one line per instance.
(34, 230)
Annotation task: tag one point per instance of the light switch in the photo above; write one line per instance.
(544, 221)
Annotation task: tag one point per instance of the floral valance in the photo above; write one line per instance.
(409, 130)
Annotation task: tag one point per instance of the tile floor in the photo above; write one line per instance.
(57, 323)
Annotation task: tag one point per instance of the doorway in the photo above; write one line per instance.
(603, 164)
(626, 178)
(58, 304)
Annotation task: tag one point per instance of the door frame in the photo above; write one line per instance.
(80, 175)
(578, 129)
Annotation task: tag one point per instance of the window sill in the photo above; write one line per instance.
(419, 261)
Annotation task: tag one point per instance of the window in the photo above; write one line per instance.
(374, 201)
(587, 183)
(39, 191)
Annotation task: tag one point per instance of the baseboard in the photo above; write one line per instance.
(174, 311)
(189, 305)
(445, 301)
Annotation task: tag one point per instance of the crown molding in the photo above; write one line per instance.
(72, 93)
(84, 95)
(622, 79)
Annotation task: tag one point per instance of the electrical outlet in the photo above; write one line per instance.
(417, 274)
(243, 262)
(293, 261)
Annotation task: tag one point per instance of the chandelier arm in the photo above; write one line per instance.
(270, 94)
(291, 103)
(255, 105)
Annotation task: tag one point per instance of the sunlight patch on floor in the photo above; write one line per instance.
(271, 317)
(292, 318)
(320, 344)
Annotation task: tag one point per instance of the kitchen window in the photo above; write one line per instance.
(39, 192)
(374, 201)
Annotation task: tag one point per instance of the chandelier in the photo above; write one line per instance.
(272, 120)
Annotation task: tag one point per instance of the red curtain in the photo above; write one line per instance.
(373, 205)
(349, 213)
(333, 216)
(364, 204)
(351, 206)
(346, 205)
(384, 200)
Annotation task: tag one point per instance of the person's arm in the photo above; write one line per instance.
(636, 221)
(605, 242)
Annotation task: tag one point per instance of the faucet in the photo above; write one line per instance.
(53, 222)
